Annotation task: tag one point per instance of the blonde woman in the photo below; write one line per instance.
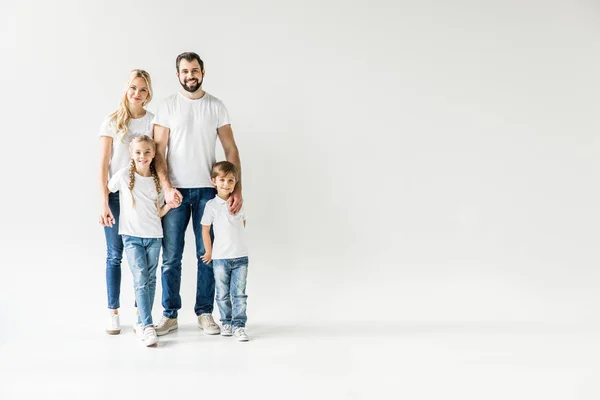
(130, 120)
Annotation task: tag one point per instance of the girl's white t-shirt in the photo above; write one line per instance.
(120, 149)
(141, 220)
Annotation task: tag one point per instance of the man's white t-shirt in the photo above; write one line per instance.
(120, 149)
(228, 229)
(142, 220)
(193, 128)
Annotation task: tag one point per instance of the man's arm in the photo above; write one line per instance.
(233, 156)
(161, 138)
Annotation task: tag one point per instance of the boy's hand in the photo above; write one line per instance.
(207, 257)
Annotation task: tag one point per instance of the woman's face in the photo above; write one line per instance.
(137, 93)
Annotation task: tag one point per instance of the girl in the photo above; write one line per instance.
(141, 208)
(128, 121)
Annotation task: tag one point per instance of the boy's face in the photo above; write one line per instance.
(224, 183)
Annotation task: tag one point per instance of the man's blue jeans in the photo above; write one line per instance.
(230, 279)
(174, 225)
(142, 257)
(114, 254)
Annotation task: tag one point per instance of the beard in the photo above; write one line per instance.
(191, 88)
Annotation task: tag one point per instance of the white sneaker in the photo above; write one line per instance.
(240, 334)
(208, 324)
(137, 328)
(113, 325)
(148, 336)
(227, 330)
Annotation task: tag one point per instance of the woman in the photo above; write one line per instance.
(117, 131)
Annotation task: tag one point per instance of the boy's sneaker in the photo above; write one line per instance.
(208, 324)
(166, 325)
(227, 330)
(148, 336)
(240, 334)
(113, 325)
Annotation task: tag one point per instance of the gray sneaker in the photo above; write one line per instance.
(208, 324)
(240, 334)
(227, 330)
(166, 325)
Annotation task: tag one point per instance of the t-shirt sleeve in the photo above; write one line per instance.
(208, 215)
(242, 213)
(114, 184)
(107, 128)
(162, 115)
(223, 115)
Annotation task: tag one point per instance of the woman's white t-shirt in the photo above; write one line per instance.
(120, 148)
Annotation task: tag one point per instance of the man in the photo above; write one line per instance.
(186, 127)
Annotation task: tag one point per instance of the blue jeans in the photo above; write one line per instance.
(114, 254)
(142, 257)
(174, 225)
(230, 280)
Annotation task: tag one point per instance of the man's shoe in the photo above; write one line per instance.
(208, 324)
(166, 325)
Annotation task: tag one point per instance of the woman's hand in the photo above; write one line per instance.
(106, 218)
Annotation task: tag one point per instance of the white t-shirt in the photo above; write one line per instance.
(193, 128)
(120, 148)
(142, 220)
(228, 229)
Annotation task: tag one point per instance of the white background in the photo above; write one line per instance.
(408, 166)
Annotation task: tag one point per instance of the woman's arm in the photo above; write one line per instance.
(106, 218)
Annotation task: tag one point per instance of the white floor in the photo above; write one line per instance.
(352, 360)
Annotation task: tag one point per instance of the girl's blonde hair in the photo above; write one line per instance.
(150, 141)
(122, 115)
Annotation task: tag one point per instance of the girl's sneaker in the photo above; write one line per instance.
(240, 334)
(148, 336)
(113, 325)
(227, 330)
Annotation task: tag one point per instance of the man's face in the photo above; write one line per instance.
(190, 75)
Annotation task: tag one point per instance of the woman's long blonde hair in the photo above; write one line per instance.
(121, 117)
(132, 170)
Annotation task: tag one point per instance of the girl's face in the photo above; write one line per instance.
(142, 154)
(137, 93)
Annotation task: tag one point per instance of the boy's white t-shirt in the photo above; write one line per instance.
(193, 128)
(228, 229)
(142, 220)
(120, 148)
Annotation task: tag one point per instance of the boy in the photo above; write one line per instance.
(228, 253)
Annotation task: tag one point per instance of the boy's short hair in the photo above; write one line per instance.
(225, 167)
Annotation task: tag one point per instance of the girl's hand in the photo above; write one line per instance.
(207, 257)
(106, 218)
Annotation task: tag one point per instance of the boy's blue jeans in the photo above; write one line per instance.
(114, 254)
(230, 282)
(142, 257)
(174, 225)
